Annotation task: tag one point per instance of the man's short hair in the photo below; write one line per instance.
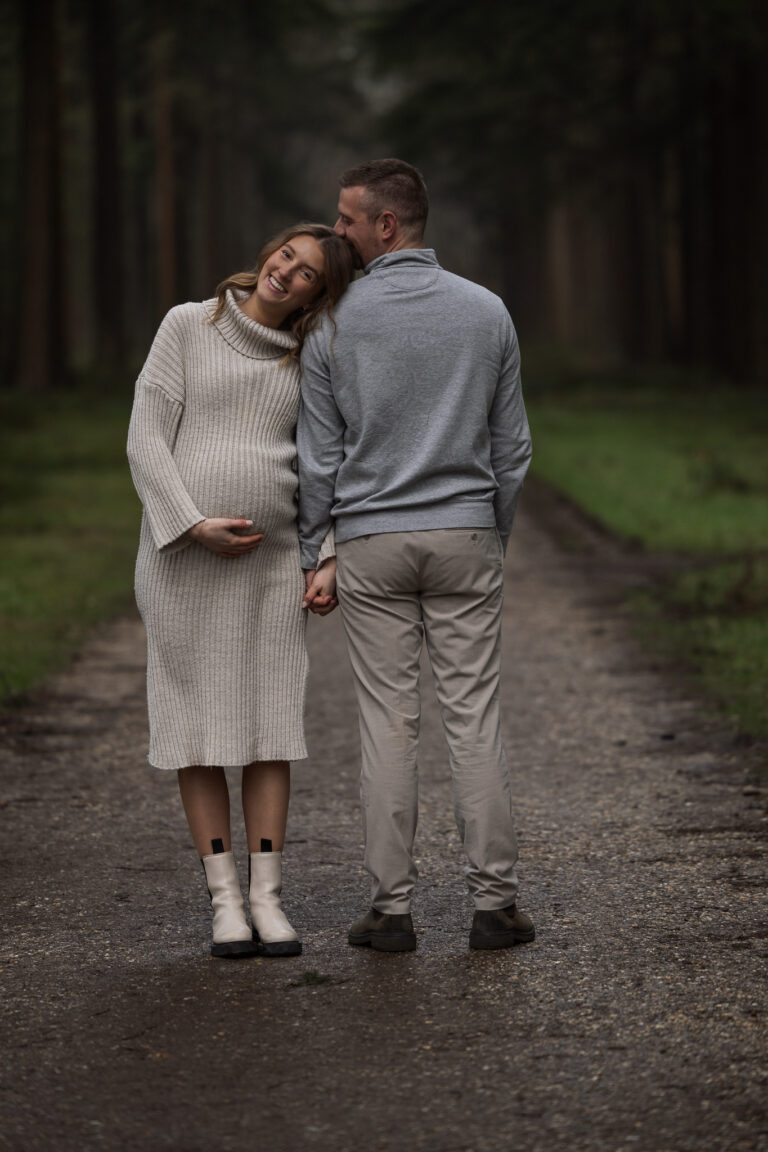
(391, 184)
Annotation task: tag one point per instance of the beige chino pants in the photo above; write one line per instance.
(397, 589)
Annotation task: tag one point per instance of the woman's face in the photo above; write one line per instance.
(291, 277)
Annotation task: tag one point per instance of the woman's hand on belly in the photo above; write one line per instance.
(226, 537)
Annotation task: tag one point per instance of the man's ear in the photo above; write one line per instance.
(388, 225)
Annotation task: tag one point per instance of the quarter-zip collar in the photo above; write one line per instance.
(404, 258)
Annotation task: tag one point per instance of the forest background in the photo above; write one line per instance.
(601, 164)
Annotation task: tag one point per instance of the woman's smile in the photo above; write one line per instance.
(275, 284)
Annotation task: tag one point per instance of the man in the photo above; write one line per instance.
(413, 440)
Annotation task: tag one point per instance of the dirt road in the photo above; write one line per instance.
(636, 1021)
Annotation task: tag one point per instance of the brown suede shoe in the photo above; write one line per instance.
(501, 928)
(383, 932)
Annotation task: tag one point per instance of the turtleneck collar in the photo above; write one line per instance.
(247, 336)
(413, 257)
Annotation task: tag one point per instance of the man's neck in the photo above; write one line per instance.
(402, 242)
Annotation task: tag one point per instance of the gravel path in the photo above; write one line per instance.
(636, 1021)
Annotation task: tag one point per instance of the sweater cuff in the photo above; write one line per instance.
(328, 549)
(172, 539)
(177, 545)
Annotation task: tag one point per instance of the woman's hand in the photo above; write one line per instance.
(225, 537)
(320, 596)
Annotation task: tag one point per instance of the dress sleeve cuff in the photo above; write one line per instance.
(328, 549)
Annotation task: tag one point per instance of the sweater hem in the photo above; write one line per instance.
(351, 527)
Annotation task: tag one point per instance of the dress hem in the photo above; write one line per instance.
(227, 764)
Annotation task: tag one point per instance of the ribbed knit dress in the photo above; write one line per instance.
(212, 434)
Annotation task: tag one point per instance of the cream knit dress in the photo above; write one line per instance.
(212, 434)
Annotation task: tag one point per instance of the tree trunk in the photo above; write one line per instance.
(759, 242)
(107, 213)
(631, 266)
(211, 265)
(695, 184)
(733, 222)
(165, 176)
(40, 227)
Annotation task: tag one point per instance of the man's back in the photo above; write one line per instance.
(422, 370)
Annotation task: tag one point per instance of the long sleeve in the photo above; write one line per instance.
(320, 445)
(328, 549)
(157, 411)
(510, 436)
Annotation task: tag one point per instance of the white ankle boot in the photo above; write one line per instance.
(231, 934)
(271, 930)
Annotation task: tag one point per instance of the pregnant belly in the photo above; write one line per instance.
(268, 497)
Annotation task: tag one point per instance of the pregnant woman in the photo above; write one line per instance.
(218, 577)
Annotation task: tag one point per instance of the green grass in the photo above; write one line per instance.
(718, 620)
(676, 472)
(680, 471)
(68, 524)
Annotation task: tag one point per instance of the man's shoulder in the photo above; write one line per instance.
(359, 288)
(361, 291)
(462, 288)
(359, 297)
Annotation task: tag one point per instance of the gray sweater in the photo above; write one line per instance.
(412, 413)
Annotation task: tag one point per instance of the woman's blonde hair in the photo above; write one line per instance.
(340, 263)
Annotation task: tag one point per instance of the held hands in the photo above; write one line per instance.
(225, 537)
(320, 596)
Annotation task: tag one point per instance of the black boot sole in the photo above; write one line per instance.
(384, 943)
(481, 940)
(278, 948)
(234, 950)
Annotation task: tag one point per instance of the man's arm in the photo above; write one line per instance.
(320, 445)
(510, 435)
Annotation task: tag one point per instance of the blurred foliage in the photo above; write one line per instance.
(574, 84)
(601, 164)
(164, 144)
(645, 124)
